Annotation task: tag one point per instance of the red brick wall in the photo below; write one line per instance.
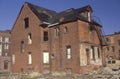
(56, 45)
(19, 33)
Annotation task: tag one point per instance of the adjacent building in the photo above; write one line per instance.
(46, 41)
(113, 47)
(5, 60)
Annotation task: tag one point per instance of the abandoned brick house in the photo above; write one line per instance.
(46, 41)
(5, 60)
(113, 48)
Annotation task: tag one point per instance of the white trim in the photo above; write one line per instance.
(53, 24)
(46, 23)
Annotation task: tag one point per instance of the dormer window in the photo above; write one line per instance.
(26, 22)
(89, 16)
(86, 15)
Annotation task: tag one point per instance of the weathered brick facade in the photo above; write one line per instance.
(112, 50)
(68, 45)
(5, 59)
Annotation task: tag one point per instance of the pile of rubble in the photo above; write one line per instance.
(103, 73)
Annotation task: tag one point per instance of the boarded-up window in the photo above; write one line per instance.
(29, 58)
(65, 30)
(45, 57)
(13, 59)
(22, 47)
(6, 39)
(68, 52)
(29, 38)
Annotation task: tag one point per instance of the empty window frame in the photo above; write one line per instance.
(107, 39)
(29, 38)
(0, 49)
(57, 31)
(68, 52)
(0, 38)
(26, 22)
(109, 62)
(98, 51)
(119, 54)
(91, 31)
(29, 58)
(93, 52)
(6, 46)
(118, 42)
(107, 48)
(113, 48)
(6, 54)
(45, 36)
(88, 56)
(113, 61)
(22, 47)
(6, 39)
(6, 65)
(65, 29)
(45, 57)
(69, 71)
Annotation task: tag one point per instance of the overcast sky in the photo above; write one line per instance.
(106, 12)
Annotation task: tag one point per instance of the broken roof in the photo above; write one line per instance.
(51, 17)
(42, 13)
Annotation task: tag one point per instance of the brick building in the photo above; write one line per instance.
(113, 47)
(46, 41)
(5, 61)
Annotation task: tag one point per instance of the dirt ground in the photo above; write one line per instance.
(102, 73)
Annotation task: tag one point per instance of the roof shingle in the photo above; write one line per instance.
(52, 17)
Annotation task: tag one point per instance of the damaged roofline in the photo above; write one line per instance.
(53, 24)
(49, 24)
(46, 23)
